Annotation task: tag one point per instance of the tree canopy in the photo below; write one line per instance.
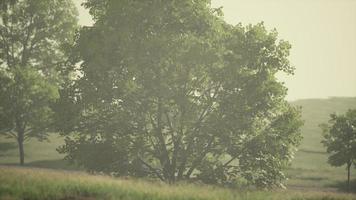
(35, 38)
(168, 89)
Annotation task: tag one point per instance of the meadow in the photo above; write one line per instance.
(309, 176)
(33, 184)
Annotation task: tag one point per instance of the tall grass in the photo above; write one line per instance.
(33, 184)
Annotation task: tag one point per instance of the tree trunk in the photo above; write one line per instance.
(20, 140)
(348, 176)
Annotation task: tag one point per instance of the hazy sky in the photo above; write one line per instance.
(322, 34)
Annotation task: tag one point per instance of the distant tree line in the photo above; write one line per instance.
(165, 89)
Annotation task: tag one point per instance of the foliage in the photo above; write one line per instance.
(171, 86)
(34, 43)
(4, 4)
(25, 90)
(340, 139)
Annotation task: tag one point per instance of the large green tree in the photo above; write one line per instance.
(168, 89)
(340, 140)
(34, 40)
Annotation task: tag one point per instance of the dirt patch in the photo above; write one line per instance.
(78, 198)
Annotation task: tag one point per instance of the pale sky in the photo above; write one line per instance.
(322, 34)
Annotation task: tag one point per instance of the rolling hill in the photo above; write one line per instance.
(317, 111)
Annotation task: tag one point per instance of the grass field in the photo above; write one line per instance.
(308, 172)
(31, 184)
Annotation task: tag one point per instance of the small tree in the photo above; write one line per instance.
(340, 140)
(34, 38)
(25, 112)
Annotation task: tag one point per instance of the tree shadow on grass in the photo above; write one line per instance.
(53, 164)
(59, 164)
(342, 186)
(78, 198)
(6, 146)
(312, 178)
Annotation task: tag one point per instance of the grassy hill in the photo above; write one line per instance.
(34, 184)
(309, 170)
(317, 111)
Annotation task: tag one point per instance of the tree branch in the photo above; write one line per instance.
(9, 133)
(155, 171)
(25, 56)
(176, 146)
(7, 49)
(197, 161)
(229, 161)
